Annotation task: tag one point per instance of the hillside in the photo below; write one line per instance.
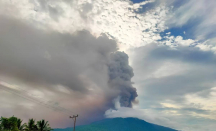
(120, 124)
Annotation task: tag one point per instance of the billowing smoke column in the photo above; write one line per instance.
(120, 74)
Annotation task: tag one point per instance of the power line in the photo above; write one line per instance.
(46, 103)
(59, 108)
(63, 110)
(30, 99)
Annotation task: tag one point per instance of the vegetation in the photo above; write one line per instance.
(119, 124)
(15, 124)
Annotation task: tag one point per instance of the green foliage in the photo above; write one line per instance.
(15, 124)
(9, 124)
(20, 126)
(31, 126)
(43, 125)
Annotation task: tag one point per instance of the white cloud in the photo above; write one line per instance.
(202, 13)
(170, 68)
(12, 86)
(173, 114)
(63, 89)
(208, 45)
(148, 115)
(174, 41)
(164, 76)
(205, 103)
(170, 105)
(117, 19)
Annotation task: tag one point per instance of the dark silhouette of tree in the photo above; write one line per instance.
(20, 126)
(9, 124)
(31, 126)
(43, 126)
(15, 124)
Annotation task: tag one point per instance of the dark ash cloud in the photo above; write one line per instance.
(91, 69)
(120, 74)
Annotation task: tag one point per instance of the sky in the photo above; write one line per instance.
(153, 60)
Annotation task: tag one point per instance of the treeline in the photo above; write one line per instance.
(15, 124)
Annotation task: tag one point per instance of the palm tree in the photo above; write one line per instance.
(43, 126)
(20, 126)
(15, 124)
(31, 126)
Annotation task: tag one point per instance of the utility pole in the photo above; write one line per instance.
(74, 118)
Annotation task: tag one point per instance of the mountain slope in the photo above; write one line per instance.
(120, 124)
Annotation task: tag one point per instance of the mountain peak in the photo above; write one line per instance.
(120, 124)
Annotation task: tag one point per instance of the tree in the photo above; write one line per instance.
(43, 126)
(9, 124)
(20, 126)
(31, 126)
(15, 124)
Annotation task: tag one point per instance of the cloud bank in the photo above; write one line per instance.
(174, 85)
(118, 19)
(79, 72)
